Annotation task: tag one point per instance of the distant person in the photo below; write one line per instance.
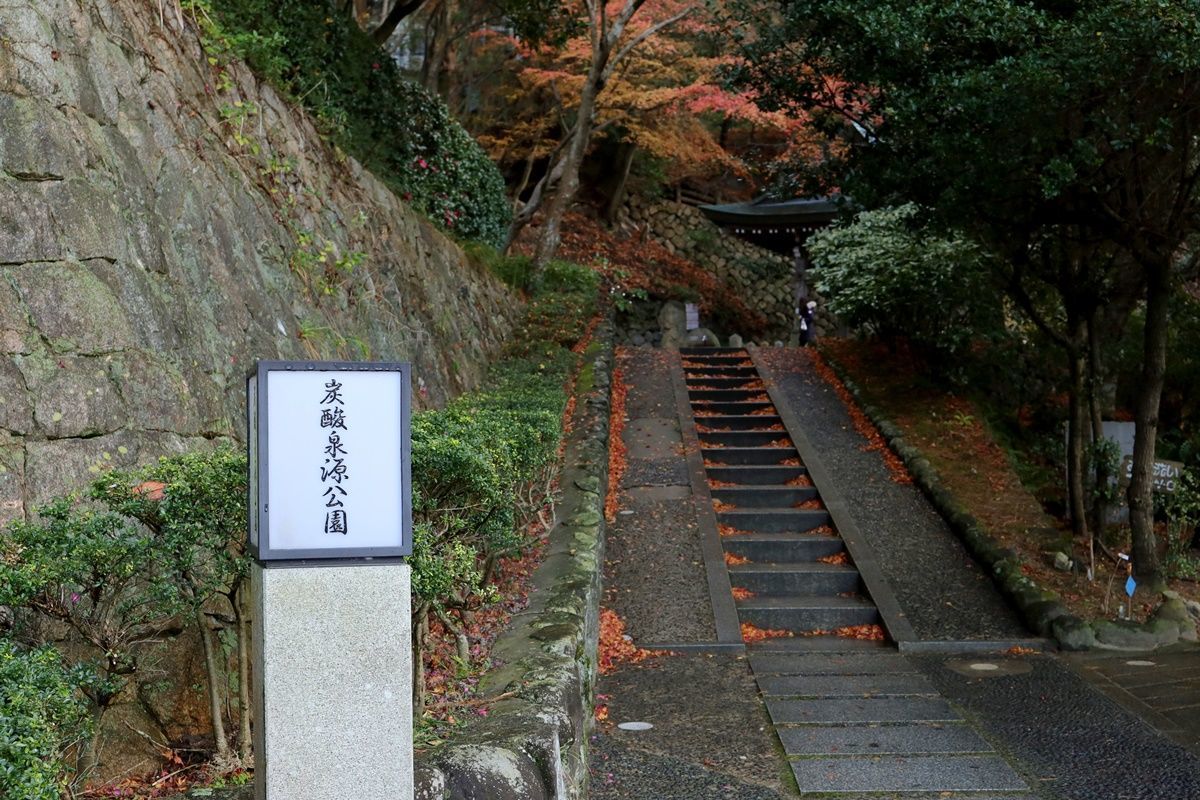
(808, 315)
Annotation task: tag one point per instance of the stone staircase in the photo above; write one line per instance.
(855, 717)
(787, 565)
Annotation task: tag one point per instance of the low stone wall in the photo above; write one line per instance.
(761, 278)
(1042, 609)
(533, 745)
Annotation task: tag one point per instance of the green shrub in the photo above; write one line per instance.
(481, 464)
(884, 274)
(41, 715)
(316, 54)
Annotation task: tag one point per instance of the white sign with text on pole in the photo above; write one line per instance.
(330, 522)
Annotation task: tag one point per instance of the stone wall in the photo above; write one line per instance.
(163, 223)
(761, 278)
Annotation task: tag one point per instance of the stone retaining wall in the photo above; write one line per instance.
(761, 278)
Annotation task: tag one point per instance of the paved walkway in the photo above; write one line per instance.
(860, 720)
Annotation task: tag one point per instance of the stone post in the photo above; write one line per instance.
(333, 682)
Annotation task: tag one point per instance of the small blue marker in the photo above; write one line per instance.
(1130, 585)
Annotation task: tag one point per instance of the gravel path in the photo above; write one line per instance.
(940, 587)
(1074, 743)
(711, 736)
(654, 569)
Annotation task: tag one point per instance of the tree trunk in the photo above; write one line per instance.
(1076, 432)
(1101, 474)
(245, 739)
(1101, 465)
(618, 196)
(1154, 366)
(568, 184)
(420, 630)
(213, 674)
(437, 48)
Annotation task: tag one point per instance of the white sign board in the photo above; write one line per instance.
(329, 459)
(692, 314)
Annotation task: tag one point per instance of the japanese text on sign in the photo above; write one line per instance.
(1165, 474)
(333, 470)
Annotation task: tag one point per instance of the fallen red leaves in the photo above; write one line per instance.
(823, 530)
(790, 462)
(809, 505)
(837, 558)
(729, 530)
(866, 633)
(800, 481)
(733, 559)
(784, 442)
(616, 446)
(752, 633)
(743, 594)
(616, 648)
(718, 506)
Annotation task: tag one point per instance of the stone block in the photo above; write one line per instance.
(73, 396)
(55, 467)
(16, 412)
(155, 393)
(334, 675)
(497, 773)
(881, 740)
(37, 144)
(72, 308)
(12, 483)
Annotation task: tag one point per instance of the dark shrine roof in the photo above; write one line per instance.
(805, 211)
(776, 224)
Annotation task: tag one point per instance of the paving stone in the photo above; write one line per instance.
(878, 740)
(906, 774)
(902, 684)
(652, 437)
(878, 709)
(817, 644)
(883, 663)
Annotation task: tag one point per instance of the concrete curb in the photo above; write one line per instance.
(1041, 608)
(534, 744)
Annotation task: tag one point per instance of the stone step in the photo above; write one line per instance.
(742, 422)
(713, 352)
(732, 382)
(861, 710)
(791, 647)
(882, 740)
(772, 520)
(735, 409)
(749, 455)
(775, 580)
(742, 438)
(905, 774)
(781, 497)
(693, 373)
(900, 684)
(782, 548)
(879, 659)
(800, 613)
(755, 475)
(727, 395)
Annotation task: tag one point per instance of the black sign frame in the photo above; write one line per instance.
(258, 439)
